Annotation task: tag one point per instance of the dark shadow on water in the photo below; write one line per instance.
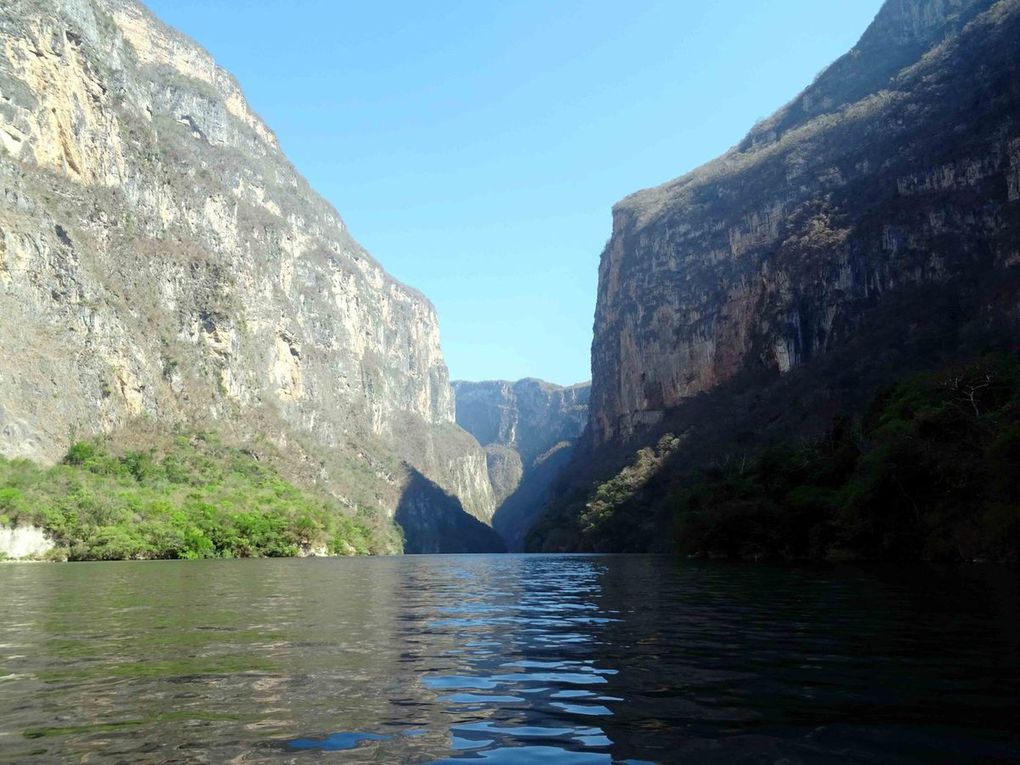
(636, 659)
(435, 522)
(815, 664)
(509, 658)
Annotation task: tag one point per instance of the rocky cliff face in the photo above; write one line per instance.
(528, 429)
(440, 524)
(161, 260)
(897, 169)
(529, 416)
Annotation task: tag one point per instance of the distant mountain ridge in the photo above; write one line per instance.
(528, 429)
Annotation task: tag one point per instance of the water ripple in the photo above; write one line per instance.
(507, 659)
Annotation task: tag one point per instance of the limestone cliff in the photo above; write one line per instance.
(896, 171)
(161, 260)
(866, 232)
(528, 429)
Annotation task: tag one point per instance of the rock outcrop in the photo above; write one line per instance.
(897, 170)
(440, 523)
(867, 231)
(161, 260)
(24, 543)
(528, 429)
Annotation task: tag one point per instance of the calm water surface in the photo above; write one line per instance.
(506, 659)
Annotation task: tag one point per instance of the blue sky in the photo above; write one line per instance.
(475, 148)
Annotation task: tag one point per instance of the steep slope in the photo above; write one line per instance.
(528, 429)
(161, 260)
(868, 229)
(441, 524)
(898, 166)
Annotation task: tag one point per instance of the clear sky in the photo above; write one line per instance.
(475, 147)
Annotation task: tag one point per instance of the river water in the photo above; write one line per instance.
(505, 659)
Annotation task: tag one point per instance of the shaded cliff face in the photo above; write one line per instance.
(160, 259)
(530, 416)
(898, 168)
(439, 522)
(528, 429)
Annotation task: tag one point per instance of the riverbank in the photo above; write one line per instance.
(193, 497)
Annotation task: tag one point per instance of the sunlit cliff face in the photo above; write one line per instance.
(160, 258)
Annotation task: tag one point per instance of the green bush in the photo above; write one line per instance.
(196, 499)
(931, 471)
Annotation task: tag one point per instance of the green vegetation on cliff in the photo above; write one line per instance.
(931, 471)
(193, 497)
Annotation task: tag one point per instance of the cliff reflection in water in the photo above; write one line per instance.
(507, 659)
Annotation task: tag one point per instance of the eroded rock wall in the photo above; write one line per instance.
(529, 415)
(161, 259)
(528, 429)
(896, 168)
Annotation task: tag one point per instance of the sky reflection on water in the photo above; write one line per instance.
(505, 659)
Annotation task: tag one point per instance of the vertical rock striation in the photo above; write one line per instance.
(867, 231)
(896, 170)
(161, 260)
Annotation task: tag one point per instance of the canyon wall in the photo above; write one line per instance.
(866, 233)
(161, 261)
(896, 169)
(528, 429)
